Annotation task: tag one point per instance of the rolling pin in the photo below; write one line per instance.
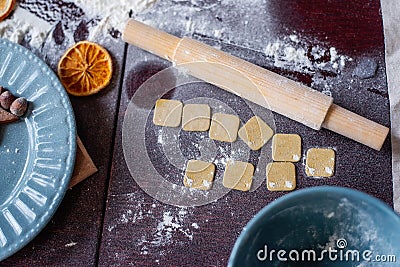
(256, 84)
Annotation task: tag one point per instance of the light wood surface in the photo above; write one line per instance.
(355, 127)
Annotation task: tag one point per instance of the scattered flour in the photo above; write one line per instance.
(171, 226)
(168, 226)
(111, 227)
(292, 53)
(173, 223)
(129, 216)
(328, 170)
(222, 161)
(288, 184)
(70, 244)
(107, 14)
(160, 137)
(22, 25)
(330, 215)
(113, 13)
(14, 29)
(331, 244)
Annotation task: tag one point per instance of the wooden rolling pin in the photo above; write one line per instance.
(263, 87)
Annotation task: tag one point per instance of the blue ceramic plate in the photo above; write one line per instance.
(37, 153)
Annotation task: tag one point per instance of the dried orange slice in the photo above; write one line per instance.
(6, 6)
(85, 69)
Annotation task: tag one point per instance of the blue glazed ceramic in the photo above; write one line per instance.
(37, 153)
(321, 226)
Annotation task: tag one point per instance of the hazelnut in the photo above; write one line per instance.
(6, 99)
(19, 106)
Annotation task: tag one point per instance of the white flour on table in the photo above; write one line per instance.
(286, 52)
(169, 224)
(109, 15)
(23, 25)
(113, 14)
(292, 52)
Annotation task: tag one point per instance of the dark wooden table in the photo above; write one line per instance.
(108, 220)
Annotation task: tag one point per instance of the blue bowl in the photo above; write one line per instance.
(321, 226)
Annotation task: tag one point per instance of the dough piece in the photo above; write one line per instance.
(224, 127)
(199, 174)
(281, 176)
(168, 113)
(286, 147)
(255, 133)
(320, 162)
(238, 175)
(196, 117)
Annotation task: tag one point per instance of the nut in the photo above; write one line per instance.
(6, 99)
(19, 106)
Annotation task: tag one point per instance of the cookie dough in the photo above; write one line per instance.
(320, 162)
(281, 176)
(199, 174)
(224, 127)
(196, 117)
(286, 147)
(168, 113)
(238, 175)
(255, 133)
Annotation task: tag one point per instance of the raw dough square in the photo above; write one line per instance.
(238, 175)
(320, 162)
(196, 117)
(168, 113)
(255, 133)
(199, 174)
(281, 176)
(286, 147)
(224, 127)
